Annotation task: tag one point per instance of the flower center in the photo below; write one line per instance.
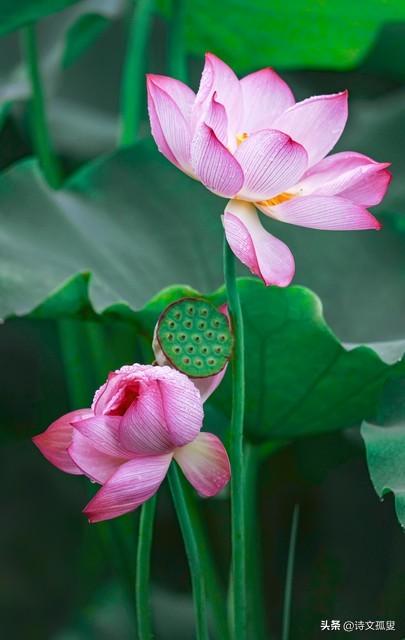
(126, 397)
(240, 137)
(281, 197)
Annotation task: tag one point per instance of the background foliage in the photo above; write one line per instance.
(79, 266)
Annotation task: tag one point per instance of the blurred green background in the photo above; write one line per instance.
(137, 225)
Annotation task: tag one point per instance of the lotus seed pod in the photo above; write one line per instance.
(194, 337)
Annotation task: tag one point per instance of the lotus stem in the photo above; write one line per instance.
(177, 55)
(256, 611)
(133, 81)
(290, 574)
(38, 118)
(142, 582)
(238, 529)
(193, 553)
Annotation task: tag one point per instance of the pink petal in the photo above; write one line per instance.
(179, 92)
(217, 120)
(369, 188)
(214, 165)
(265, 255)
(103, 433)
(206, 386)
(55, 441)
(131, 485)
(350, 175)
(95, 464)
(205, 464)
(168, 413)
(169, 127)
(323, 212)
(218, 78)
(265, 96)
(271, 163)
(316, 123)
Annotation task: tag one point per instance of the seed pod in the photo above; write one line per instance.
(194, 337)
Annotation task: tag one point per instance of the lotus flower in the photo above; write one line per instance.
(250, 142)
(141, 419)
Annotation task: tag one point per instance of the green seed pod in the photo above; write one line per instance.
(194, 337)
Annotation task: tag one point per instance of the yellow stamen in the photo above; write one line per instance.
(281, 197)
(240, 137)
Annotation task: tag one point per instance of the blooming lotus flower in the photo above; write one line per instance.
(249, 141)
(141, 419)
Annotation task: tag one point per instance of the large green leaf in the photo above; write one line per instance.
(138, 224)
(14, 15)
(132, 220)
(386, 462)
(297, 34)
(300, 380)
(385, 446)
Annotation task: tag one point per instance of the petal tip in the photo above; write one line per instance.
(267, 257)
(150, 78)
(88, 517)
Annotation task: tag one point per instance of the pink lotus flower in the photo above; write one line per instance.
(141, 419)
(250, 141)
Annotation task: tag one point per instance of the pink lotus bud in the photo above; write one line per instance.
(141, 419)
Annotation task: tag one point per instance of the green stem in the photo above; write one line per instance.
(133, 82)
(192, 551)
(78, 378)
(100, 357)
(177, 54)
(39, 126)
(142, 587)
(238, 595)
(255, 604)
(121, 556)
(290, 574)
(215, 588)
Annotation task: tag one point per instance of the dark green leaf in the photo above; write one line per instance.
(386, 462)
(299, 378)
(385, 446)
(81, 34)
(14, 15)
(133, 221)
(297, 34)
